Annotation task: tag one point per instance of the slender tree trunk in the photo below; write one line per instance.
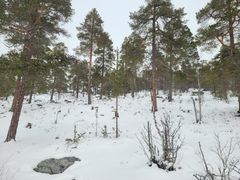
(102, 75)
(53, 89)
(132, 90)
(16, 93)
(170, 98)
(31, 93)
(239, 104)
(90, 65)
(154, 70)
(199, 97)
(77, 89)
(116, 112)
(89, 80)
(132, 86)
(52, 93)
(59, 94)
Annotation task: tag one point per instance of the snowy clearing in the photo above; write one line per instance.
(110, 158)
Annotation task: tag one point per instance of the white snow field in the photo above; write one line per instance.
(111, 158)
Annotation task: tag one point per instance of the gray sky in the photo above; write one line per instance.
(115, 14)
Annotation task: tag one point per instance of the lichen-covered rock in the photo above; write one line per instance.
(55, 166)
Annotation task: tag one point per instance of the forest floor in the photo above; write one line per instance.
(110, 158)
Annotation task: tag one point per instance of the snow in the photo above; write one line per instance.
(110, 158)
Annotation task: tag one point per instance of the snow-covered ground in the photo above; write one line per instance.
(110, 158)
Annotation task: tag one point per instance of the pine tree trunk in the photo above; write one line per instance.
(77, 89)
(90, 65)
(154, 70)
(52, 91)
(116, 112)
(239, 104)
(89, 80)
(31, 93)
(170, 99)
(17, 111)
(132, 86)
(19, 94)
(102, 75)
(16, 93)
(233, 48)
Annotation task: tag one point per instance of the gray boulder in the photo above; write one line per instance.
(55, 166)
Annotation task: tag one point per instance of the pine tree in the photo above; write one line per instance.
(104, 58)
(177, 43)
(89, 33)
(132, 55)
(146, 21)
(220, 26)
(78, 73)
(36, 25)
(59, 61)
(8, 65)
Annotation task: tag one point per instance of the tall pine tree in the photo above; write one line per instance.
(30, 25)
(104, 58)
(220, 26)
(89, 33)
(146, 21)
(132, 55)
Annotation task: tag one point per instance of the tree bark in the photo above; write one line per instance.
(170, 98)
(132, 82)
(17, 111)
(31, 93)
(233, 48)
(90, 65)
(102, 75)
(16, 93)
(53, 89)
(77, 89)
(154, 70)
(116, 112)
(19, 95)
(239, 104)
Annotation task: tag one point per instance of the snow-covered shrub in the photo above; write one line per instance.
(163, 148)
(104, 131)
(76, 137)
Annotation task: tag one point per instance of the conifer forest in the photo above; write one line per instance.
(119, 90)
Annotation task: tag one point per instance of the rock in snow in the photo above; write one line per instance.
(55, 166)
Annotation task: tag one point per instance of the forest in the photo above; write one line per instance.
(152, 108)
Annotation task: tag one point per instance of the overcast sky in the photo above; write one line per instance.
(115, 14)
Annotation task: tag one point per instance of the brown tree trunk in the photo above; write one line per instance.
(239, 104)
(233, 48)
(170, 99)
(77, 89)
(116, 112)
(132, 83)
(31, 93)
(154, 70)
(102, 75)
(19, 94)
(17, 111)
(16, 93)
(52, 92)
(90, 65)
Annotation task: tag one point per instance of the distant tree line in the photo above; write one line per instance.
(161, 53)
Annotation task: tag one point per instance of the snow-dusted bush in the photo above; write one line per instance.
(163, 148)
(76, 137)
